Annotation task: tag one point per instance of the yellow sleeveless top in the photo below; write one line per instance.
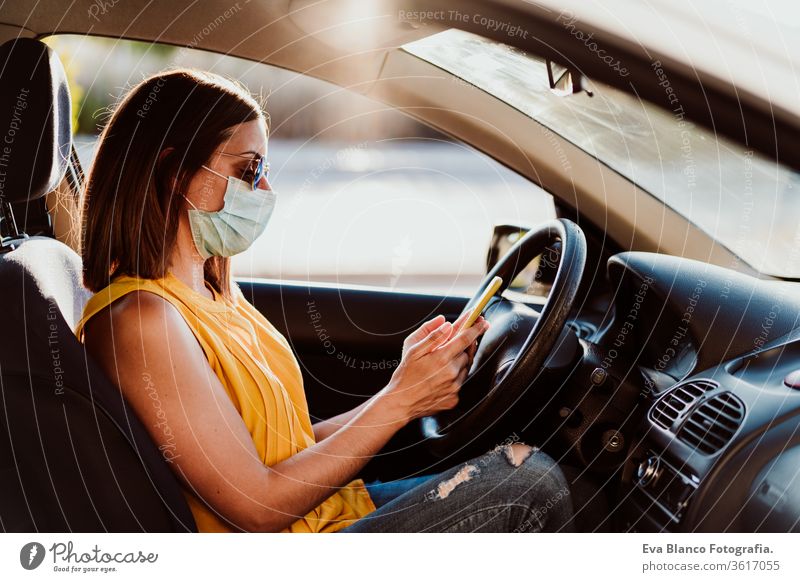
(255, 364)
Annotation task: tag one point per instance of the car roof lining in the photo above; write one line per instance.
(318, 38)
(386, 73)
(280, 34)
(358, 31)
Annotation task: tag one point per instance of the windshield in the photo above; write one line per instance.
(748, 203)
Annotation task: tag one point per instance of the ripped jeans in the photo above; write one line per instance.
(512, 488)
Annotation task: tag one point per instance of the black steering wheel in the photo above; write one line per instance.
(515, 348)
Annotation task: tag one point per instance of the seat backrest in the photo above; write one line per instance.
(73, 456)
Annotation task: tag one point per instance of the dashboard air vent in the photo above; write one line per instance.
(712, 425)
(677, 401)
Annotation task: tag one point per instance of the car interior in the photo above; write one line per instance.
(662, 371)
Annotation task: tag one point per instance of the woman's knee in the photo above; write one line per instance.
(545, 484)
(552, 499)
(534, 463)
(516, 476)
(517, 453)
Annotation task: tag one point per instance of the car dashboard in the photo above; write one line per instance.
(715, 357)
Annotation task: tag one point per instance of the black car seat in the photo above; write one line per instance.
(73, 456)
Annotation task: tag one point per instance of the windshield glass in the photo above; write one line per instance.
(748, 203)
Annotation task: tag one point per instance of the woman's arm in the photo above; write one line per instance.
(326, 428)
(144, 344)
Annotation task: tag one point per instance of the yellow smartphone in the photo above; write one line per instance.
(487, 294)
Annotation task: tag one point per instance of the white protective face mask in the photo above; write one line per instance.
(241, 220)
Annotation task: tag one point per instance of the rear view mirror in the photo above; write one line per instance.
(565, 80)
(503, 238)
(536, 277)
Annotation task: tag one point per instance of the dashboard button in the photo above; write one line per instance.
(598, 376)
(792, 380)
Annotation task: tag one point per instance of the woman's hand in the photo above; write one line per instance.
(426, 328)
(436, 360)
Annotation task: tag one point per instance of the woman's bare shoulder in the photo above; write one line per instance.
(136, 315)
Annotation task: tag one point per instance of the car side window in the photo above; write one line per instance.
(410, 214)
(366, 195)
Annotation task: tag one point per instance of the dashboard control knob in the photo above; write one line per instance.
(598, 376)
(648, 471)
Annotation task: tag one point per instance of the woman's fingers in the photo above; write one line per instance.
(425, 329)
(456, 386)
(473, 347)
(431, 341)
(462, 376)
(457, 364)
(434, 324)
(459, 323)
(462, 340)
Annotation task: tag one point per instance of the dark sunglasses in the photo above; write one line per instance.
(258, 168)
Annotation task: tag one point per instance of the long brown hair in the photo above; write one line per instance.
(156, 140)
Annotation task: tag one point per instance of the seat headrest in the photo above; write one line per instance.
(35, 120)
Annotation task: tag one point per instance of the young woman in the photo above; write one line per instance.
(179, 185)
